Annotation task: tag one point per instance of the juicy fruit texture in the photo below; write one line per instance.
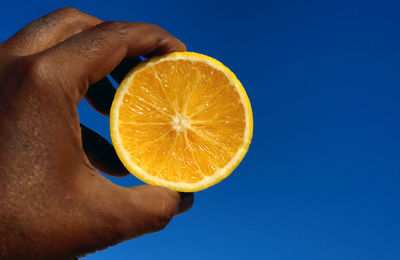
(182, 121)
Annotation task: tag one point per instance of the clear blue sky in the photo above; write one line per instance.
(321, 179)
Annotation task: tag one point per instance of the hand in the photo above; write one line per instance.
(54, 204)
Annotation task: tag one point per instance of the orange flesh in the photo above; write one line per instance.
(181, 120)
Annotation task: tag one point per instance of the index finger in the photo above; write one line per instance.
(89, 56)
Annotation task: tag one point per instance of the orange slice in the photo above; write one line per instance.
(182, 121)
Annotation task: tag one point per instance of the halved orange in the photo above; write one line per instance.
(182, 121)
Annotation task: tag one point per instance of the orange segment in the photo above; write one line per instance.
(182, 121)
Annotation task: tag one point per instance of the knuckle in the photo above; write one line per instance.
(68, 11)
(166, 43)
(116, 28)
(166, 211)
(30, 68)
(147, 28)
(66, 14)
(165, 39)
(34, 66)
(27, 76)
(73, 17)
(162, 220)
(155, 29)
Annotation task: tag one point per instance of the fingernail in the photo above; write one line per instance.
(186, 203)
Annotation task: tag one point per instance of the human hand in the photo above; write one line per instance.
(54, 204)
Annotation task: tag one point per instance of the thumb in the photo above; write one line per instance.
(131, 212)
(152, 208)
(111, 214)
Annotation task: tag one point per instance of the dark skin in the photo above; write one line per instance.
(54, 203)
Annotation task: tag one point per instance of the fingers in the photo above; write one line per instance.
(123, 68)
(187, 199)
(101, 153)
(100, 96)
(50, 30)
(90, 55)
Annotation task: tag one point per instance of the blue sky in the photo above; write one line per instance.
(321, 178)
